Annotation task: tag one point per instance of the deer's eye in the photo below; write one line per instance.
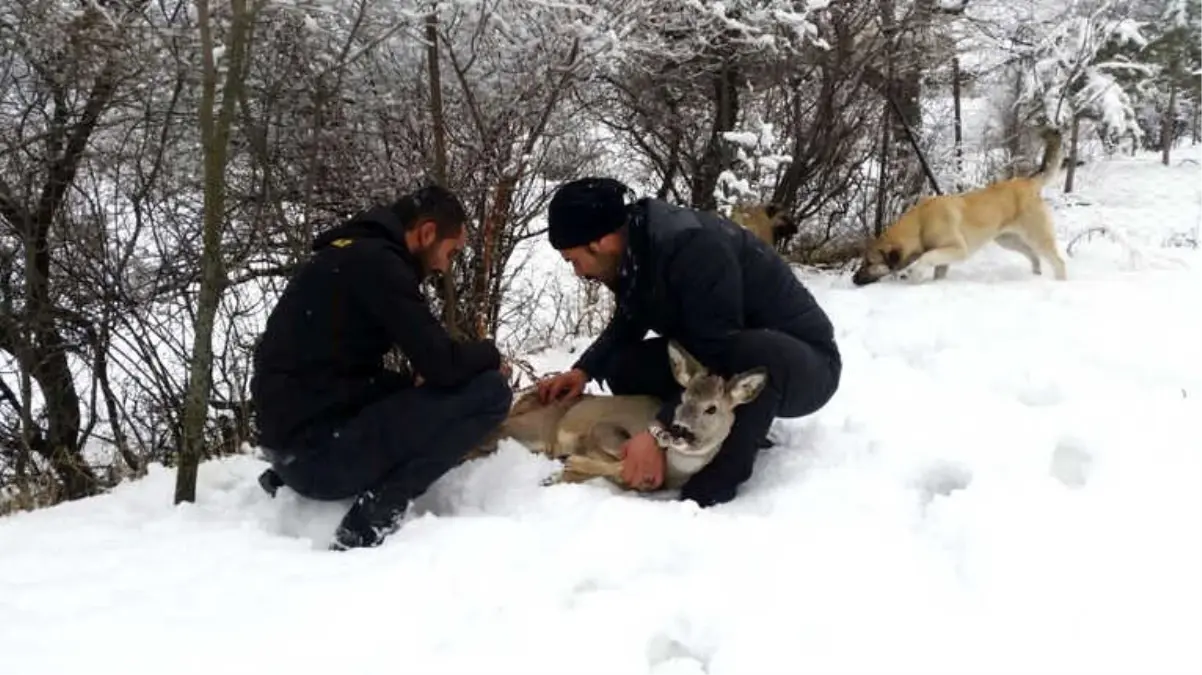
(711, 410)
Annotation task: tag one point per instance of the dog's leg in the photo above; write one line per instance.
(1058, 264)
(1049, 251)
(1039, 234)
(1013, 242)
(1045, 244)
(942, 257)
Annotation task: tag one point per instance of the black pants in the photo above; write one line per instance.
(802, 377)
(393, 450)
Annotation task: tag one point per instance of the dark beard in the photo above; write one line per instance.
(611, 281)
(598, 281)
(423, 262)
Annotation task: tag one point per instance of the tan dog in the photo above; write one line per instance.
(939, 231)
(764, 221)
(588, 432)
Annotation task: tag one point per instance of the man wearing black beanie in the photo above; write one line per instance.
(714, 287)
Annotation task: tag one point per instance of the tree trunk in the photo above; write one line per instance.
(888, 116)
(882, 182)
(906, 59)
(1168, 126)
(496, 216)
(215, 126)
(959, 124)
(438, 129)
(1012, 124)
(716, 158)
(1197, 119)
(110, 400)
(665, 186)
(437, 121)
(1071, 173)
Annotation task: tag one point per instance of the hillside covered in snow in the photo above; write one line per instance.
(1009, 480)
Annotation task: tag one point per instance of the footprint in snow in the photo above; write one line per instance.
(941, 479)
(1071, 464)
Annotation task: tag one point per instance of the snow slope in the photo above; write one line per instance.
(1009, 480)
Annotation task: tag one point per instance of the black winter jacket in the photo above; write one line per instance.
(320, 358)
(698, 278)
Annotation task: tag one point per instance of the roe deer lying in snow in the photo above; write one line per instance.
(588, 432)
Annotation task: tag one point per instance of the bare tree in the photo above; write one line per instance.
(63, 88)
(215, 129)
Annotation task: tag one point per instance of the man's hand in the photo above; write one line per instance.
(642, 462)
(506, 369)
(564, 386)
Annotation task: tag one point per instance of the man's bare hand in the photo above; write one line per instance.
(642, 462)
(564, 386)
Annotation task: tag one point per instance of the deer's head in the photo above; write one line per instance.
(707, 405)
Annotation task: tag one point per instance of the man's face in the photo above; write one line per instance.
(597, 261)
(436, 254)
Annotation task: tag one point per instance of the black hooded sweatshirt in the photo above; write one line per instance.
(320, 358)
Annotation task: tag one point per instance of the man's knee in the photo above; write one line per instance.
(805, 375)
(761, 348)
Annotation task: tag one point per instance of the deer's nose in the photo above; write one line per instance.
(682, 432)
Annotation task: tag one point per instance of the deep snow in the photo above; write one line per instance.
(1009, 480)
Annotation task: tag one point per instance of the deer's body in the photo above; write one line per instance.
(588, 432)
(589, 426)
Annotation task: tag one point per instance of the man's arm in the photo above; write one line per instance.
(620, 332)
(389, 293)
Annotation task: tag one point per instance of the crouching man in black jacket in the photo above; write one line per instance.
(335, 423)
(714, 287)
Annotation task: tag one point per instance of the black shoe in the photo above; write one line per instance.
(270, 481)
(345, 539)
(367, 524)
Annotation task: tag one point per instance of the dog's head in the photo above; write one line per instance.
(882, 257)
(767, 221)
(784, 225)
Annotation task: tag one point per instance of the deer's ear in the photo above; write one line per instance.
(684, 366)
(744, 387)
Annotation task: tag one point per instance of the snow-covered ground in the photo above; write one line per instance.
(1009, 481)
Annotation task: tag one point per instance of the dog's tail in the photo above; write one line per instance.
(1053, 156)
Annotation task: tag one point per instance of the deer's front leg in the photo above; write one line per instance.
(590, 467)
(580, 468)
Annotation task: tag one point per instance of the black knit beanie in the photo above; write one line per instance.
(584, 210)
